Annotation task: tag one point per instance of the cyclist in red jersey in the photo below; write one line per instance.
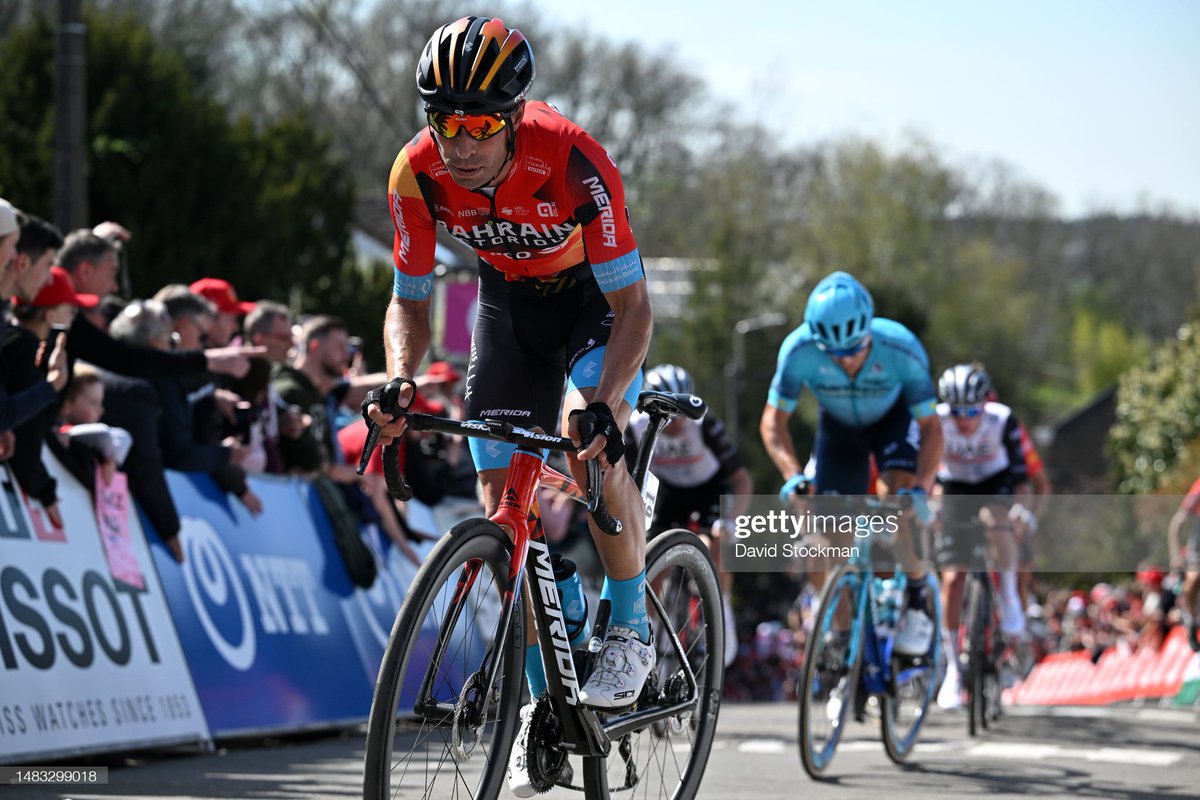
(562, 297)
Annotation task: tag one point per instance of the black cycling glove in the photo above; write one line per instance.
(597, 420)
(387, 397)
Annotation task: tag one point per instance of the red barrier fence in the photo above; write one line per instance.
(1120, 675)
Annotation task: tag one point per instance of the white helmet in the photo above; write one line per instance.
(671, 379)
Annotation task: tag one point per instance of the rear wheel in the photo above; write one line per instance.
(830, 669)
(666, 759)
(435, 730)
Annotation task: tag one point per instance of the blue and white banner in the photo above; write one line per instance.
(260, 608)
(87, 663)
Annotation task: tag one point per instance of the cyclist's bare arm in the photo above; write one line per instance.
(930, 452)
(1175, 537)
(778, 441)
(406, 336)
(741, 485)
(633, 322)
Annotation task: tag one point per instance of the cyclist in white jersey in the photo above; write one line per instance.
(696, 463)
(982, 455)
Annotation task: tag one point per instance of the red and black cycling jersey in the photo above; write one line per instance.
(561, 205)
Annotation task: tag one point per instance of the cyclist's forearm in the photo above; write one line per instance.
(778, 441)
(633, 322)
(406, 336)
(742, 487)
(929, 455)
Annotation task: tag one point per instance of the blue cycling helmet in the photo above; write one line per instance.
(839, 311)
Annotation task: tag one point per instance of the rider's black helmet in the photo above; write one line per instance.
(475, 65)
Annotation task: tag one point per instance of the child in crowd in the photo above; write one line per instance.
(86, 440)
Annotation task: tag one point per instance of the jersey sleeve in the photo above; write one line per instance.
(788, 380)
(717, 440)
(1191, 503)
(416, 234)
(917, 384)
(1034, 465)
(599, 198)
(1013, 432)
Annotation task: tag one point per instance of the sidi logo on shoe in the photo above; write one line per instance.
(558, 628)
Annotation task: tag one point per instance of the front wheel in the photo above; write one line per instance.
(830, 668)
(913, 688)
(435, 730)
(975, 606)
(666, 759)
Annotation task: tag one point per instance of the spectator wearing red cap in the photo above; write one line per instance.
(229, 309)
(55, 305)
(25, 270)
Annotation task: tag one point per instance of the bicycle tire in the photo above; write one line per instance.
(816, 692)
(975, 609)
(921, 685)
(432, 591)
(679, 563)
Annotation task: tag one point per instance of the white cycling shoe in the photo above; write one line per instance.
(914, 634)
(519, 782)
(623, 666)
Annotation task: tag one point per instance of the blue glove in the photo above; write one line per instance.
(920, 502)
(797, 484)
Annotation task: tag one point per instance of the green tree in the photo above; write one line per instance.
(262, 205)
(1157, 433)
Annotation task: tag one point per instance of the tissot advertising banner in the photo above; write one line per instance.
(87, 662)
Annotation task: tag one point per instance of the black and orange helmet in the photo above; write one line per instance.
(475, 65)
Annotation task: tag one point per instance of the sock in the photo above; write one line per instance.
(1008, 587)
(628, 598)
(535, 671)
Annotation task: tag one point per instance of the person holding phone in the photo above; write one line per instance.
(44, 319)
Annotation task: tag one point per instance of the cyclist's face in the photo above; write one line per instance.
(852, 364)
(968, 425)
(474, 164)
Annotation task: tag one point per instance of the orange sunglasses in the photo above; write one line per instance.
(477, 126)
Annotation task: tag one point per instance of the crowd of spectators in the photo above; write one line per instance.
(192, 379)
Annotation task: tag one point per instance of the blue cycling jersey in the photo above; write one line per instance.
(897, 365)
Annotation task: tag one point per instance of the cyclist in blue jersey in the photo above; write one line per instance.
(871, 380)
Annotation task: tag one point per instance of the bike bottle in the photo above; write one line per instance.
(571, 599)
(888, 608)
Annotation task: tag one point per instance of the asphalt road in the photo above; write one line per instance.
(1137, 754)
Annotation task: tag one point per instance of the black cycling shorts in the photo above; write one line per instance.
(844, 453)
(960, 535)
(530, 336)
(675, 506)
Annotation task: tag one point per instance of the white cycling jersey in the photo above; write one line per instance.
(692, 458)
(994, 448)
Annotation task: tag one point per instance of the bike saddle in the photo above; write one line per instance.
(672, 405)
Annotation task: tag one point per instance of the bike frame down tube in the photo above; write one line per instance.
(518, 514)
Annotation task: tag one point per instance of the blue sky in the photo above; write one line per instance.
(1097, 101)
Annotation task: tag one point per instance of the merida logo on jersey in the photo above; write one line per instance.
(401, 228)
(608, 222)
(558, 628)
